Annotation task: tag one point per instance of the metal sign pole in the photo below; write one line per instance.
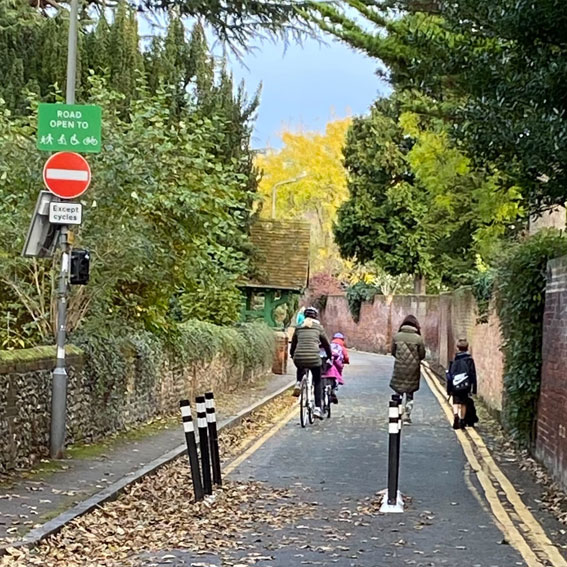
(59, 387)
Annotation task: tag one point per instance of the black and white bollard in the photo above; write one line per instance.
(398, 399)
(392, 501)
(204, 444)
(213, 437)
(189, 429)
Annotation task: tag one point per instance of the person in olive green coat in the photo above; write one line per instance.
(306, 343)
(408, 349)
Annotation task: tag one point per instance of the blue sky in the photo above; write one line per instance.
(305, 86)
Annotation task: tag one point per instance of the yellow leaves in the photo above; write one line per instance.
(308, 181)
(409, 122)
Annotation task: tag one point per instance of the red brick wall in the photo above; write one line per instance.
(458, 319)
(380, 319)
(551, 442)
(486, 341)
(444, 320)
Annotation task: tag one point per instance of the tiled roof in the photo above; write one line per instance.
(281, 258)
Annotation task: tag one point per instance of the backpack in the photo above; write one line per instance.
(337, 350)
(458, 374)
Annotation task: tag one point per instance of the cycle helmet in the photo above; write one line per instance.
(338, 336)
(311, 312)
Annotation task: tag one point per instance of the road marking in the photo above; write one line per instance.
(67, 174)
(503, 520)
(534, 530)
(233, 465)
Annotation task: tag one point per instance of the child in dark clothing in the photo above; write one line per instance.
(461, 381)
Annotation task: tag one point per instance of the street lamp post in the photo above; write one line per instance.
(59, 386)
(279, 184)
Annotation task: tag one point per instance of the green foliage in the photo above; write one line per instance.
(168, 212)
(114, 355)
(382, 220)
(520, 295)
(417, 205)
(234, 23)
(357, 294)
(483, 289)
(496, 69)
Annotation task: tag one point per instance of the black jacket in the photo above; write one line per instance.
(463, 362)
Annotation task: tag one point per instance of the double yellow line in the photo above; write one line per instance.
(516, 522)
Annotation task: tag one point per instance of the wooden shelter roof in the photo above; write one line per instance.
(281, 258)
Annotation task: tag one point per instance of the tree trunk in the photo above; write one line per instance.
(419, 285)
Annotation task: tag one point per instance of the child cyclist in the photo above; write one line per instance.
(336, 364)
(461, 381)
(339, 339)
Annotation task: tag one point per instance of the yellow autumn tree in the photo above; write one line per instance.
(306, 180)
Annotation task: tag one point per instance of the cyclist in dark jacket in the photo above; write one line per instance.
(306, 342)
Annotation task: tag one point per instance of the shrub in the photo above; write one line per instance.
(482, 288)
(520, 296)
(358, 293)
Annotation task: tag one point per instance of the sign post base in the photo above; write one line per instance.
(396, 508)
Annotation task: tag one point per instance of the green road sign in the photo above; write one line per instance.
(69, 127)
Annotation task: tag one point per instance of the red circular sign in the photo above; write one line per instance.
(67, 175)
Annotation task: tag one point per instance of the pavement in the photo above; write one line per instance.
(29, 500)
(457, 510)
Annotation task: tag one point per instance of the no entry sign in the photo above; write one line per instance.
(67, 175)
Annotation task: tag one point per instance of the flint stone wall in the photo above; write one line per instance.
(94, 412)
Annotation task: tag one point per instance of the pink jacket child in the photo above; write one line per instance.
(335, 370)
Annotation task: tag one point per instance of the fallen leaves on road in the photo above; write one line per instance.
(159, 514)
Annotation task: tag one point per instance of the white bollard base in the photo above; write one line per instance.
(396, 508)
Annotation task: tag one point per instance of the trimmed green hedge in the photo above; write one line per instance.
(113, 354)
(249, 344)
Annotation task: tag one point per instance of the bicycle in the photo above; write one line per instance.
(306, 400)
(327, 387)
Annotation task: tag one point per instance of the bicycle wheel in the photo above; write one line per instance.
(303, 404)
(311, 397)
(328, 401)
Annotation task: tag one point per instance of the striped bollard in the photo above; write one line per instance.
(213, 437)
(393, 451)
(189, 429)
(398, 399)
(392, 501)
(204, 444)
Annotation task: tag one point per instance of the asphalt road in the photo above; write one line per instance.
(339, 465)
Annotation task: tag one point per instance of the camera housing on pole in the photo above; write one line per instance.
(42, 237)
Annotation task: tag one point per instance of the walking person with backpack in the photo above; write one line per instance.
(408, 349)
(461, 381)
